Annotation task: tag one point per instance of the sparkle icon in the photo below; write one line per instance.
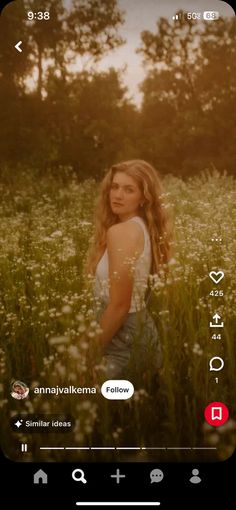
(18, 423)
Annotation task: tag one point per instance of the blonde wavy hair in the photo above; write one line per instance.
(153, 212)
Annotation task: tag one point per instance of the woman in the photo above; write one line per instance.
(131, 241)
(19, 390)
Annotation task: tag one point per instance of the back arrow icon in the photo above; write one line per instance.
(17, 46)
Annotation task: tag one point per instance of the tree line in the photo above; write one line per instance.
(53, 116)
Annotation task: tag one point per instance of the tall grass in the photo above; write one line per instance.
(48, 322)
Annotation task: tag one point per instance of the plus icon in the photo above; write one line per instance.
(117, 476)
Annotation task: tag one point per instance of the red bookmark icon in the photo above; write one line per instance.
(216, 414)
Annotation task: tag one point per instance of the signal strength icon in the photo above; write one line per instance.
(176, 16)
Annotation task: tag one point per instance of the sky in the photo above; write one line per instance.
(142, 15)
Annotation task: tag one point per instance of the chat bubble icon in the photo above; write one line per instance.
(216, 363)
(156, 475)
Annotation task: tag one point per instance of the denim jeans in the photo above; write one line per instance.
(134, 352)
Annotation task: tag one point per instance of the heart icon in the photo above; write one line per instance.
(216, 277)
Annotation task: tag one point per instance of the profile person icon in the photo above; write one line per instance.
(19, 390)
(195, 478)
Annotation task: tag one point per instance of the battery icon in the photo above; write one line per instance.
(211, 15)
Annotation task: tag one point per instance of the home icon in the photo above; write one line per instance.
(40, 477)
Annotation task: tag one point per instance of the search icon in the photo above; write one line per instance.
(78, 475)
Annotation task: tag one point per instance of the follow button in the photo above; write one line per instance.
(117, 389)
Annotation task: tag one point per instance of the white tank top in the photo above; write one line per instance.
(140, 275)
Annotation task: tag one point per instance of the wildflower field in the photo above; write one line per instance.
(48, 323)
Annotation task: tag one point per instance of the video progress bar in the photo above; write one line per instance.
(128, 448)
(118, 503)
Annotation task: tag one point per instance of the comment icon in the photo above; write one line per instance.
(156, 475)
(216, 364)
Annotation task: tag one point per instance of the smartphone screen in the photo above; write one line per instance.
(117, 175)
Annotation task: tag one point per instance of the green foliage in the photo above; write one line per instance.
(84, 119)
(48, 322)
(92, 27)
(188, 120)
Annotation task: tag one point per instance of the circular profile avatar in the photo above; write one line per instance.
(19, 390)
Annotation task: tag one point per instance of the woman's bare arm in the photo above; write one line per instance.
(123, 246)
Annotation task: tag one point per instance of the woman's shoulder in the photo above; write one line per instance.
(124, 228)
(125, 237)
